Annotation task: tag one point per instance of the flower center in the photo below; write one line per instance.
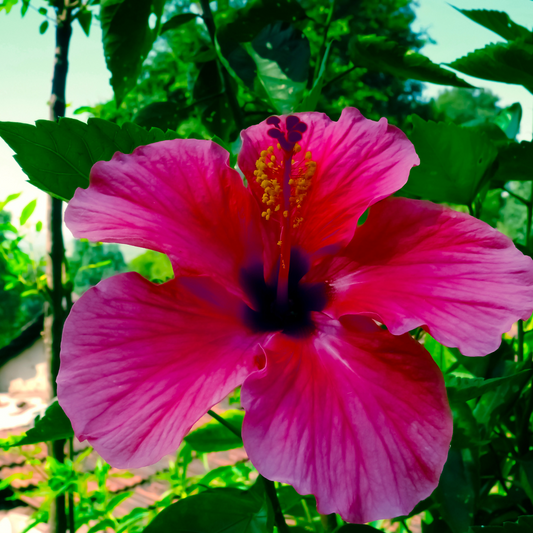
(303, 298)
(285, 174)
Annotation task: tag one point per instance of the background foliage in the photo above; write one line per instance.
(204, 70)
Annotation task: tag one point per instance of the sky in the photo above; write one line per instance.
(26, 65)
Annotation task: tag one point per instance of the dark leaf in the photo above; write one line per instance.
(127, 39)
(515, 162)
(54, 425)
(226, 510)
(510, 62)
(281, 54)
(311, 100)
(462, 389)
(497, 21)
(176, 21)
(378, 53)
(357, 528)
(43, 27)
(84, 18)
(455, 492)
(453, 162)
(524, 525)
(57, 156)
(162, 115)
(214, 437)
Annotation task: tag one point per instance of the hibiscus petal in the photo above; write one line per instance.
(353, 415)
(177, 197)
(415, 263)
(141, 363)
(359, 162)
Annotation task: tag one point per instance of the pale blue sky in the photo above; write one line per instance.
(26, 66)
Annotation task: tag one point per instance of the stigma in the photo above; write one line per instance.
(285, 172)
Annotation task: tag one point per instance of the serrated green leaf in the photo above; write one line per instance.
(453, 162)
(57, 156)
(380, 54)
(127, 39)
(226, 510)
(27, 212)
(54, 425)
(497, 21)
(177, 20)
(214, 437)
(510, 62)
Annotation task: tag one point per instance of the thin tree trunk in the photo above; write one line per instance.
(55, 312)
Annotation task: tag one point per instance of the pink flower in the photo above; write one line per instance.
(280, 295)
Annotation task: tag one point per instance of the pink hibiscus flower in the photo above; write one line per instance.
(280, 293)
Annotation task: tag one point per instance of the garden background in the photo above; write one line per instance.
(361, 53)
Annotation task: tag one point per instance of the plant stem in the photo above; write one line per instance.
(270, 488)
(54, 311)
(324, 39)
(230, 95)
(514, 195)
(225, 423)
(339, 76)
(520, 327)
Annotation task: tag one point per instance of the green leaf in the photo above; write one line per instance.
(508, 119)
(152, 265)
(226, 510)
(117, 500)
(524, 525)
(84, 18)
(497, 21)
(176, 21)
(281, 54)
(43, 27)
(515, 162)
(311, 100)
(462, 389)
(127, 39)
(27, 212)
(214, 437)
(380, 54)
(10, 198)
(57, 156)
(453, 162)
(38, 226)
(510, 62)
(54, 425)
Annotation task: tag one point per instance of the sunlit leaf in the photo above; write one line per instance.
(378, 53)
(508, 119)
(10, 198)
(27, 212)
